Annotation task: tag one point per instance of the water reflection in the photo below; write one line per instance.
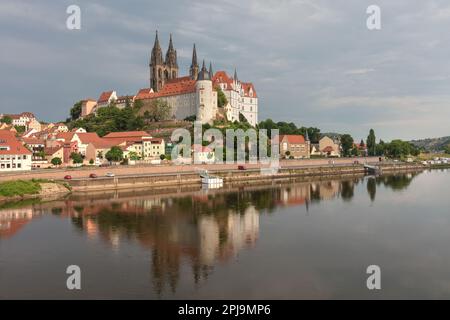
(204, 228)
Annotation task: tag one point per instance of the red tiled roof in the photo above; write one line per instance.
(104, 97)
(33, 141)
(293, 138)
(127, 134)
(104, 143)
(177, 86)
(328, 149)
(66, 136)
(222, 77)
(88, 137)
(8, 139)
(52, 150)
(246, 86)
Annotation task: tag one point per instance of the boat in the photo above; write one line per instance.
(211, 181)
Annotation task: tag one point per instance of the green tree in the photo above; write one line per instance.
(20, 129)
(371, 143)
(138, 104)
(76, 157)
(158, 110)
(347, 144)
(75, 111)
(162, 157)
(114, 154)
(134, 156)
(221, 98)
(6, 119)
(91, 161)
(447, 149)
(56, 161)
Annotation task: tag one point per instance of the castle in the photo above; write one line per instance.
(196, 93)
(192, 95)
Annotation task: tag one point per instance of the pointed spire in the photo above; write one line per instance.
(156, 40)
(203, 66)
(194, 57)
(170, 43)
(235, 75)
(307, 136)
(210, 69)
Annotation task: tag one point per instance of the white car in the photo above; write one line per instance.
(110, 174)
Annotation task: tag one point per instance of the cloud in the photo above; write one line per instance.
(313, 62)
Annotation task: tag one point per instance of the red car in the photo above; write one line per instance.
(93, 176)
(68, 177)
(241, 168)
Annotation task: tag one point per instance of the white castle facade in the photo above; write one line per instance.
(197, 93)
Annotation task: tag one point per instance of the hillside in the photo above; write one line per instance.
(432, 144)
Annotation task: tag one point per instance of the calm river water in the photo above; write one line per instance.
(280, 241)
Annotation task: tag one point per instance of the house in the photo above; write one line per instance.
(97, 149)
(153, 148)
(121, 101)
(87, 107)
(105, 99)
(13, 154)
(330, 147)
(294, 146)
(82, 139)
(134, 140)
(34, 124)
(20, 120)
(202, 154)
(54, 152)
(36, 146)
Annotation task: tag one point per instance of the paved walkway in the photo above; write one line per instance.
(155, 169)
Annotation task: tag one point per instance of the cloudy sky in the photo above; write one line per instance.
(313, 62)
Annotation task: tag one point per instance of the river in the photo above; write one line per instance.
(285, 240)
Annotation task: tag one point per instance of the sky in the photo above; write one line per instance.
(313, 62)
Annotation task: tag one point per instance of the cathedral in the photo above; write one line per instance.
(196, 93)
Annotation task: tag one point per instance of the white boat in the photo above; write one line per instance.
(211, 181)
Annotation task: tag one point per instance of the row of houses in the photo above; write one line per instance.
(38, 149)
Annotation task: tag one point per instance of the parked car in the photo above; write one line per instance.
(242, 167)
(93, 176)
(68, 177)
(110, 174)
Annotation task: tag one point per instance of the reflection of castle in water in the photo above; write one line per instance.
(201, 228)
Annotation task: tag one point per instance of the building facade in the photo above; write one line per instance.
(13, 155)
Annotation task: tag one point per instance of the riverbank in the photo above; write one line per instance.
(29, 189)
(250, 175)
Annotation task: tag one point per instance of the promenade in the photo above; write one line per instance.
(84, 172)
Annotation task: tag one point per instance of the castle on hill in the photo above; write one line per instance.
(192, 95)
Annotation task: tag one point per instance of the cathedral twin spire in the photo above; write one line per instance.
(162, 70)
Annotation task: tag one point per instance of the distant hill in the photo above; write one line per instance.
(432, 144)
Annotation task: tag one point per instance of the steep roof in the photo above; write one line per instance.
(104, 97)
(88, 137)
(173, 87)
(10, 145)
(249, 89)
(293, 138)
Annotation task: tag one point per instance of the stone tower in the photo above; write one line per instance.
(193, 71)
(162, 70)
(171, 63)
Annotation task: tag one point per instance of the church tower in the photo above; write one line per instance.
(162, 70)
(156, 66)
(193, 71)
(171, 63)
